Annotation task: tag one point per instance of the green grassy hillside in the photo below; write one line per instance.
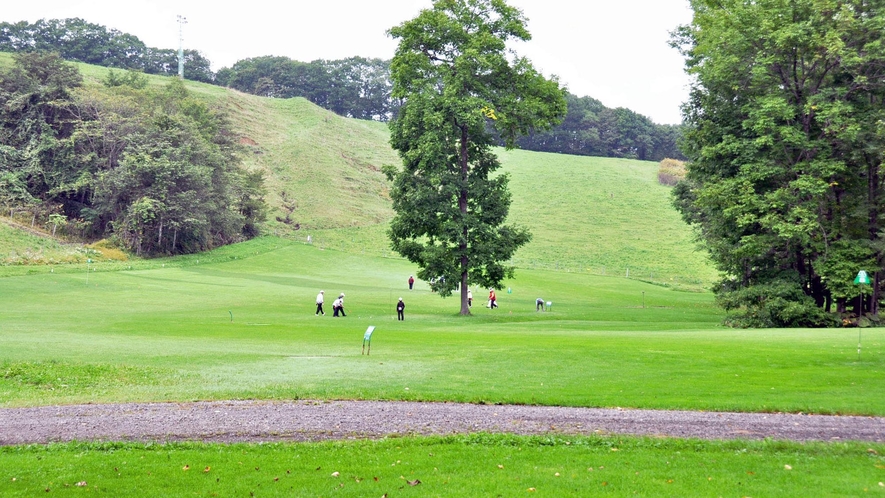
(599, 215)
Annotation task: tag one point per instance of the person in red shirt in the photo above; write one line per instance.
(411, 281)
(493, 299)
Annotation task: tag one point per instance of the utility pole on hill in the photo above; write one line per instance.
(181, 22)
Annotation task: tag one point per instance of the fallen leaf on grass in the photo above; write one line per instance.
(186, 467)
(207, 469)
(531, 490)
(787, 467)
(335, 474)
(414, 483)
(500, 466)
(81, 484)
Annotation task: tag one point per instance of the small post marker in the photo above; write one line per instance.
(861, 279)
(367, 340)
(231, 315)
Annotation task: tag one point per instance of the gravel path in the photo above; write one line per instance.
(253, 421)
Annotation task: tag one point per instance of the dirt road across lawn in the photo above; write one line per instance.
(253, 421)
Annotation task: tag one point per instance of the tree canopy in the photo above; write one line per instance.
(460, 89)
(355, 87)
(785, 136)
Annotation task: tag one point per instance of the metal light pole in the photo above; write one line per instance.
(181, 22)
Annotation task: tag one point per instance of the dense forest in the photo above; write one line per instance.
(786, 142)
(354, 87)
(154, 169)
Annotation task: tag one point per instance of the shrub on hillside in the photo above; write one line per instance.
(671, 172)
(108, 250)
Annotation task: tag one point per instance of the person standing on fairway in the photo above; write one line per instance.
(411, 281)
(338, 306)
(320, 304)
(469, 298)
(400, 306)
(493, 299)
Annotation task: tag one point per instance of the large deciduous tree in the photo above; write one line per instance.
(461, 87)
(786, 140)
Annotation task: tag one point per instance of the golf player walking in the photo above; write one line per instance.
(320, 304)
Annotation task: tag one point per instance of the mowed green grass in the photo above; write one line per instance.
(474, 465)
(603, 215)
(246, 328)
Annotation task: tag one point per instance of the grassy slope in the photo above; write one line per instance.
(602, 215)
(599, 215)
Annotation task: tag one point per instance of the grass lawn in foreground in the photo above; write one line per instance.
(246, 328)
(474, 465)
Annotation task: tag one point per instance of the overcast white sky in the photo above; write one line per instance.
(614, 51)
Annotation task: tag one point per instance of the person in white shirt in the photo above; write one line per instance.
(320, 304)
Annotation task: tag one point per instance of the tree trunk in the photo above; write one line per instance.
(462, 205)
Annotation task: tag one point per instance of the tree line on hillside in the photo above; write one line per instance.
(154, 169)
(354, 87)
(77, 40)
(786, 140)
(361, 88)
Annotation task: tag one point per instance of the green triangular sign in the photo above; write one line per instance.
(861, 278)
